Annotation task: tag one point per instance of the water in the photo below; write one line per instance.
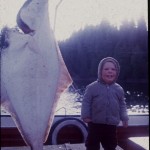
(70, 103)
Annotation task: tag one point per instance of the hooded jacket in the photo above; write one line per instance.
(104, 103)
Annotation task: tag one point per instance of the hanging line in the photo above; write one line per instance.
(56, 14)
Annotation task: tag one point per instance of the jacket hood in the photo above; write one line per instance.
(103, 61)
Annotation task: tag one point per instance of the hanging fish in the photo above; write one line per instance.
(33, 73)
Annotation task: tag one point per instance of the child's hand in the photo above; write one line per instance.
(87, 120)
(125, 124)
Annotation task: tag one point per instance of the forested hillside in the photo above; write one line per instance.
(85, 48)
(128, 44)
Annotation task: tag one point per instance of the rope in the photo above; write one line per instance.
(56, 14)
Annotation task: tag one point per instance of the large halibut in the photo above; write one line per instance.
(33, 74)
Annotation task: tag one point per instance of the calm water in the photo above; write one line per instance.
(70, 103)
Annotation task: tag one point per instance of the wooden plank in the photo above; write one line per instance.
(47, 147)
(75, 147)
(82, 147)
(119, 148)
(55, 147)
(138, 143)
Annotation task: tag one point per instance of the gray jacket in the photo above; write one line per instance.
(104, 103)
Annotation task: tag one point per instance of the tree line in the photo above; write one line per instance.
(83, 51)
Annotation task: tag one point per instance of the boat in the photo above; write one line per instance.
(71, 129)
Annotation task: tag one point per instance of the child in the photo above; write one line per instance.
(104, 106)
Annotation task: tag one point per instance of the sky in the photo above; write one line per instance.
(73, 15)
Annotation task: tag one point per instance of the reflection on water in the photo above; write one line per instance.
(70, 103)
(138, 109)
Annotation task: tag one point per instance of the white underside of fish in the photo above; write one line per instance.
(33, 75)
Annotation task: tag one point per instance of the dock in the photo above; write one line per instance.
(55, 147)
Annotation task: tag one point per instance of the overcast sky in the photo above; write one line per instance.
(75, 14)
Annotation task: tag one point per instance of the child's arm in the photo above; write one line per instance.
(86, 106)
(123, 109)
(125, 124)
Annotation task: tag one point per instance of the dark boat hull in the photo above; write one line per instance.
(70, 129)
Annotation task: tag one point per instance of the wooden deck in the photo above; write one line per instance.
(138, 143)
(55, 147)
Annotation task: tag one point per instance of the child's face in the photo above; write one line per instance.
(109, 72)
